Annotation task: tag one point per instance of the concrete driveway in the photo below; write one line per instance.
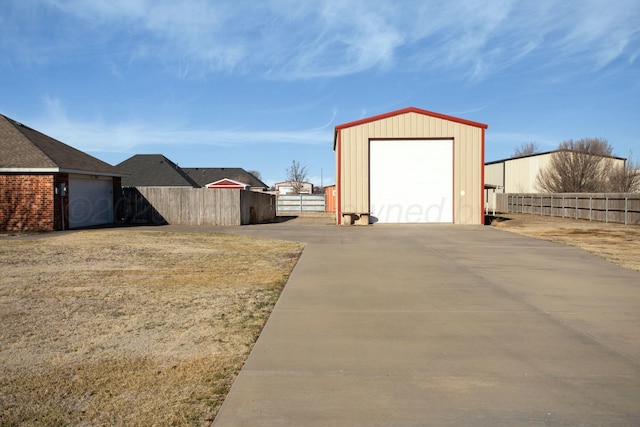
(432, 325)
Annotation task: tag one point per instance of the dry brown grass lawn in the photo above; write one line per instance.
(130, 327)
(617, 243)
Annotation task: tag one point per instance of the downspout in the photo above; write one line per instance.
(62, 208)
(61, 190)
(504, 176)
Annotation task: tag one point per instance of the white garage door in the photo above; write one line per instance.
(90, 202)
(411, 181)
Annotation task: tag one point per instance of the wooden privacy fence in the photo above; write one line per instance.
(301, 203)
(622, 208)
(194, 206)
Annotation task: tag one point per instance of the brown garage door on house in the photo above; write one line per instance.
(90, 202)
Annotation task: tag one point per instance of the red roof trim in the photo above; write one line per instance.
(338, 180)
(227, 183)
(482, 180)
(411, 110)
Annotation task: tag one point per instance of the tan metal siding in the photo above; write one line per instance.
(494, 174)
(521, 174)
(354, 197)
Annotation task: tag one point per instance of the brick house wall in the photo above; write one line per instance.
(27, 202)
(30, 202)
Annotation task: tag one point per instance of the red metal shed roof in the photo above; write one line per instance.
(404, 111)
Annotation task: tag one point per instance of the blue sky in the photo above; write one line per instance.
(257, 84)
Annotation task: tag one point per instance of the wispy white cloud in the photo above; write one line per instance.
(471, 110)
(485, 40)
(97, 135)
(286, 39)
(515, 139)
(601, 27)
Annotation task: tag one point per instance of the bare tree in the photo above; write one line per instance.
(626, 179)
(526, 150)
(579, 166)
(296, 175)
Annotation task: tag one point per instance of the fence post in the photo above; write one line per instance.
(590, 206)
(626, 199)
(562, 206)
(531, 204)
(606, 210)
(576, 207)
(551, 207)
(541, 202)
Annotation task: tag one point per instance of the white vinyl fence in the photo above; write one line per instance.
(300, 203)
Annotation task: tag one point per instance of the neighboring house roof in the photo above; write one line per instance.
(227, 183)
(544, 154)
(289, 183)
(284, 187)
(154, 170)
(25, 150)
(405, 111)
(204, 176)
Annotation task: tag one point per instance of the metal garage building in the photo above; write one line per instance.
(520, 174)
(410, 166)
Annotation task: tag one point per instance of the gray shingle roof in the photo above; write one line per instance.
(204, 176)
(27, 150)
(154, 170)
